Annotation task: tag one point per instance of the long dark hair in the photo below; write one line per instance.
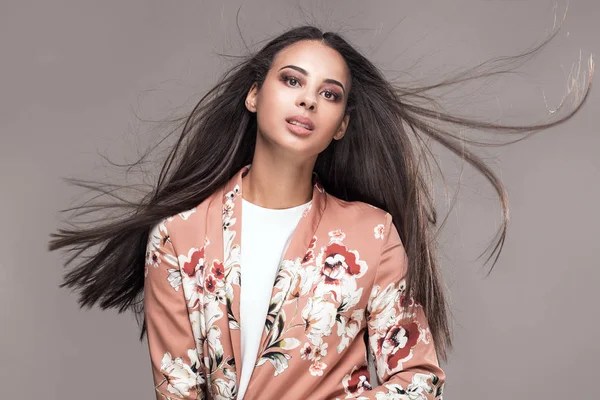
(382, 161)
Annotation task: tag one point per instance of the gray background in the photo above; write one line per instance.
(76, 75)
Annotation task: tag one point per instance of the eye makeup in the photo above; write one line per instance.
(304, 72)
(286, 78)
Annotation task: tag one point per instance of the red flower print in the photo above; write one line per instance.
(399, 342)
(310, 254)
(357, 381)
(308, 257)
(337, 262)
(155, 258)
(218, 270)
(196, 263)
(407, 301)
(210, 283)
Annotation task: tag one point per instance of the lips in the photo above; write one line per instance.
(301, 121)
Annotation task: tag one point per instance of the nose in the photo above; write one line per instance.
(308, 102)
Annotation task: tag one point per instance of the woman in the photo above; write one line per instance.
(292, 239)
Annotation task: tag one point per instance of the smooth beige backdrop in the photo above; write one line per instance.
(74, 75)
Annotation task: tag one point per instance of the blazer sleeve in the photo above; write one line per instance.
(401, 344)
(172, 345)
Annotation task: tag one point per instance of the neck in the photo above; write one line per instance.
(277, 184)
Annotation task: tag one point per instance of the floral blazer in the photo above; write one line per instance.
(337, 296)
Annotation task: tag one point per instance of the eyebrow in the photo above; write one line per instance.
(305, 72)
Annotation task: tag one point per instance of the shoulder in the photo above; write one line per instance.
(357, 211)
(189, 222)
(362, 219)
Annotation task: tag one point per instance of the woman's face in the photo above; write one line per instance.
(300, 107)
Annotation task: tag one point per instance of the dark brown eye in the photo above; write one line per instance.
(331, 95)
(290, 79)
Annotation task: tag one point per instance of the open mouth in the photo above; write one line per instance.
(305, 126)
(299, 128)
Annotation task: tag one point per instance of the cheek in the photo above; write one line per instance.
(274, 98)
(272, 107)
(330, 122)
(332, 119)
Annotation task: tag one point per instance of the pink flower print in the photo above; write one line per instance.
(336, 236)
(379, 231)
(306, 352)
(306, 211)
(320, 351)
(316, 368)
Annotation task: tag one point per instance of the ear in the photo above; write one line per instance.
(342, 128)
(251, 98)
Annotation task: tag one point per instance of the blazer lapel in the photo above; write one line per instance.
(231, 234)
(222, 347)
(221, 283)
(296, 252)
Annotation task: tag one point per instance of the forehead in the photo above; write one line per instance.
(317, 59)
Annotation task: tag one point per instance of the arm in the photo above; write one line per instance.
(402, 346)
(175, 360)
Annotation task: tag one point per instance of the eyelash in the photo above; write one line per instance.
(287, 78)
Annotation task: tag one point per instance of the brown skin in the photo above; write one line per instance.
(281, 173)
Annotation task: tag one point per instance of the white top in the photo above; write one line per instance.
(266, 235)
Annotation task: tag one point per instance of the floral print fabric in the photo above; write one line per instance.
(338, 294)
